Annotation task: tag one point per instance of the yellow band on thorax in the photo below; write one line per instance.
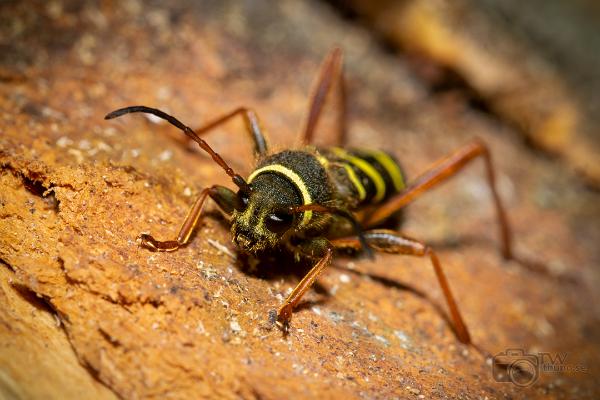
(295, 179)
(368, 169)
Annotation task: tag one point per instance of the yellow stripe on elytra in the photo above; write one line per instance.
(390, 166)
(362, 193)
(296, 180)
(368, 169)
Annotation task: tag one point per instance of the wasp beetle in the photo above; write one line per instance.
(314, 200)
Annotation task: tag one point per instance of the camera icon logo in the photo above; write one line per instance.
(516, 366)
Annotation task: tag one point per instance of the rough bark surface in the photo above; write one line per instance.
(77, 190)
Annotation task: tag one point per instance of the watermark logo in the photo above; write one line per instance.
(523, 369)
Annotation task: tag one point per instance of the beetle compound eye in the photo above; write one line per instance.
(279, 222)
(241, 201)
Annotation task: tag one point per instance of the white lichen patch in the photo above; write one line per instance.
(165, 155)
(234, 325)
(222, 248)
(63, 142)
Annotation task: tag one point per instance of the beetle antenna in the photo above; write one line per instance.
(236, 178)
(343, 213)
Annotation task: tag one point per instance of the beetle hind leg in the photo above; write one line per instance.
(441, 172)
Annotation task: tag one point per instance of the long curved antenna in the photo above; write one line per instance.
(236, 178)
(341, 213)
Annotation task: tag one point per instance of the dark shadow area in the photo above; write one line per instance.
(277, 265)
(38, 302)
(33, 299)
(37, 188)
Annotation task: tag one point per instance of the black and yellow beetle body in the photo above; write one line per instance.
(333, 177)
(314, 200)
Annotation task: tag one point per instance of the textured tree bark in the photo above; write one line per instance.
(86, 312)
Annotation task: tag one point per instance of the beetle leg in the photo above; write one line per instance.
(284, 314)
(331, 71)
(252, 126)
(223, 196)
(393, 242)
(440, 172)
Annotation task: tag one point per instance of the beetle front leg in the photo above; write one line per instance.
(225, 199)
(318, 247)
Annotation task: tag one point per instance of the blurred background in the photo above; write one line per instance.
(532, 64)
